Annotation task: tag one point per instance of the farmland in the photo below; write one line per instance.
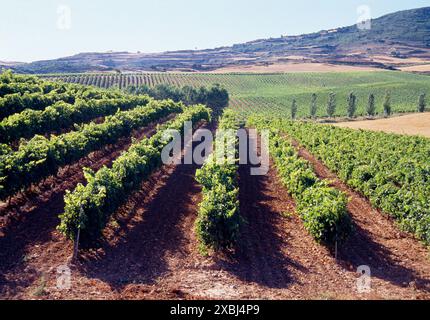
(410, 124)
(273, 93)
(392, 171)
(81, 178)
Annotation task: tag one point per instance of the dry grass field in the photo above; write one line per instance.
(411, 124)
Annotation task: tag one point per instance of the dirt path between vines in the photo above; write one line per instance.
(31, 218)
(150, 251)
(400, 264)
(66, 177)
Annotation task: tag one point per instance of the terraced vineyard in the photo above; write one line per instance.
(274, 93)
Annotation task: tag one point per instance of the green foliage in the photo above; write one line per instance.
(62, 115)
(422, 103)
(331, 104)
(272, 94)
(219, 221)
(215, 97)
(314, 106)
(371, 105)
(294, 109)
(392, 170)
(321, 207)
(18, 93)
(41, 157)
(387, 105)
(324, 214)
(88, 208)
(352, 105)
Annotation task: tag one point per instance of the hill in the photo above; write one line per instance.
(394, 41)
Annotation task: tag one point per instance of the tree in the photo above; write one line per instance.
(422, 103)
(371, 105)
(331, 105)
(294, 109)
(189, 95)
(314, 106)
(352, 105)
(217, 98)
(387, 105)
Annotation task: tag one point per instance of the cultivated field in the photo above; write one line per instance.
(273, 93)
(81, 177)
(411, 124)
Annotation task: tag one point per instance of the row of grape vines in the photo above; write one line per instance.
(29, 105)
(18, 92)
(16, 102)
(274, 93)
(392, 170)
(41, 157)
(218, 221)
(62, 115)
(88, 208)
(322, 208)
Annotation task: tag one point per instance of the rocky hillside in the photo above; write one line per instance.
(401, 35)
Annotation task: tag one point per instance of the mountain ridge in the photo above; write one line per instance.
(400, 35)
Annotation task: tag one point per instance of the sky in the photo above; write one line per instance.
(47, 29)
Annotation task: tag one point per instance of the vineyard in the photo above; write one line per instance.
(273, 94)
(83, 187)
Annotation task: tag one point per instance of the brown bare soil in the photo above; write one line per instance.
(411, 124)
(399, 263)
(150, 251)
(31, 217)
(69, 176)
(398, 61)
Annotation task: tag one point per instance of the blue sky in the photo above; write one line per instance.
(36, 30)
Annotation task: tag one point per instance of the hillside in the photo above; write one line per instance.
(394, 41)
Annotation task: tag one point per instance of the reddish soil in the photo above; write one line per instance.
(69, 176)
(400, 264)
(32, 216)
(150, 251)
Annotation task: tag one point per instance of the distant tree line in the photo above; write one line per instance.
(215, 97)
(352, 105)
